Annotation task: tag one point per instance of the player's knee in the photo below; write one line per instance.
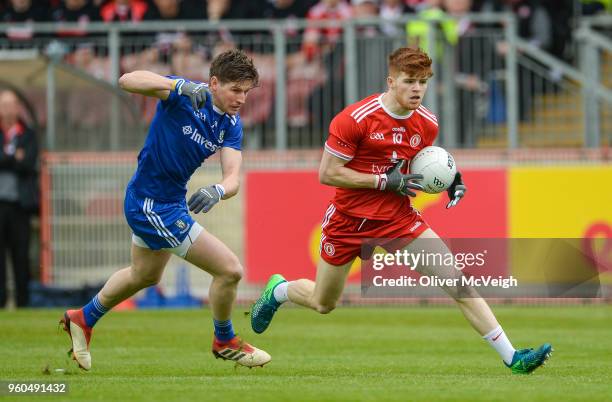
(233, 271)
(461, 293)
(235, 275)
(325, 308)
(145, 279)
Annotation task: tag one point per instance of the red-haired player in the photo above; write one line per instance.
(364, 157)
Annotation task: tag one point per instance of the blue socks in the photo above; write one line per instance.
(224, 330)
(93, 311)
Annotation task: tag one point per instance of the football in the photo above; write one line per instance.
(437, 167)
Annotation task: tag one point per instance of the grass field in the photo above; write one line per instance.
(369, 354)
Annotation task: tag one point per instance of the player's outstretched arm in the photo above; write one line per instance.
(147, 83)
(332, 172)
(151, 84)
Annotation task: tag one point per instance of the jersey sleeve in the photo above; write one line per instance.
(233, 137)
(431, 133)
(344, 137)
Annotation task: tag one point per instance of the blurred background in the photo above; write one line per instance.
(522, 90)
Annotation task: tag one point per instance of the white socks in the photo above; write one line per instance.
(498, 339)
(280, 292)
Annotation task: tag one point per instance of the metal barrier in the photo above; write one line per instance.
(596, 65)
(489, 89)
(85, 238)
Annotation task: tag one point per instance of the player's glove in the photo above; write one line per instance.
(195, 92)
(395, 180)
(205, 198)
(456, 191)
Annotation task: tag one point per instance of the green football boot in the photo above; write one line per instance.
(264, 308)
(526, 361)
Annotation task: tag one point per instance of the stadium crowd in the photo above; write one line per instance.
(545, 23)
(139, 10)
(548, 17)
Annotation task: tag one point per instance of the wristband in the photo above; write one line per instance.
(177, 85)
(381, 181)
(220, 189)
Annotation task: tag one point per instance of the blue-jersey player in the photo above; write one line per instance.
(192, 122)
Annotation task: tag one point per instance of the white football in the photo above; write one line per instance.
(437, 167)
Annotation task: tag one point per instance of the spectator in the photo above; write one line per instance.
(366, 9)
(534, 26)
(22, 11)
(390, 12)
(194, 9)
(560, 12)
(324, 45)
(18, 195)
(249, 9)
(289, 11)
(320, 40)
(124, 11)
(128, 11)
(212, 10)
(470, 78)
(432, 11)
(534, 23)
(233, 9)
(79, 11)
(167, 10)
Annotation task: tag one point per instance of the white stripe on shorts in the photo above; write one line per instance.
(328, 214)
(158, 224)
(323, 237)
(169, 236)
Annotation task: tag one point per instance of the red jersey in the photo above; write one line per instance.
(372, 139)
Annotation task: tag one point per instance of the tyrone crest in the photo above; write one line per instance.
(329, 249)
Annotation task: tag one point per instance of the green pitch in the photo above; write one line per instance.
(353, 354)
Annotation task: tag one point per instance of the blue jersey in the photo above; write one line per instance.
(179, 140)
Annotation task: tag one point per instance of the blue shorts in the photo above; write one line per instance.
(160, 225)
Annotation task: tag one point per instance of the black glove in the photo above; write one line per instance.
(195, 92)
(205, 198)
(395, 180)
(456, 191)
